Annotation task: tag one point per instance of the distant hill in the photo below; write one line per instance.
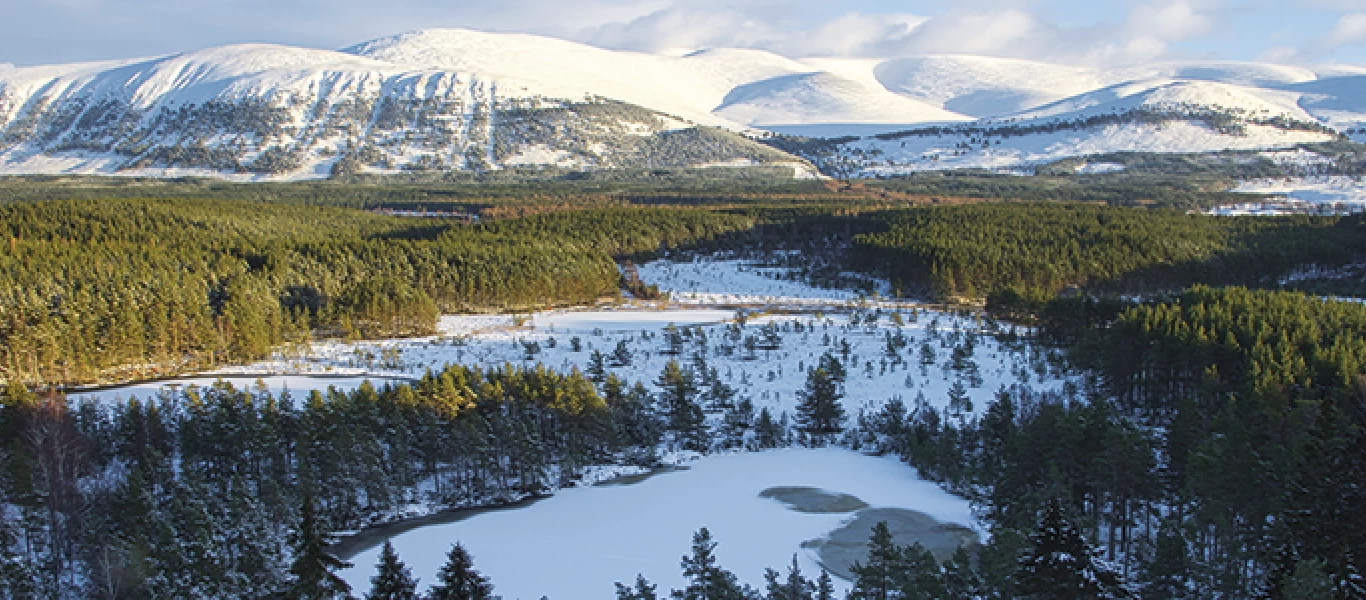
(442, 100)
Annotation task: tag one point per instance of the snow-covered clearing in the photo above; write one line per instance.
(1316, 190)
(575, 544)
(830, 321)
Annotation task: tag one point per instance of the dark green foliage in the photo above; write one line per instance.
(791, 587)
(678, 403)
(1018, 254)
(119, 289)
(394, 580)
(314, 571)
(820, 413)
(706, 579)
(643, 590)
(1061, 565)
(458, 579)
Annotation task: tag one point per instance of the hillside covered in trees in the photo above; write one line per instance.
(119, 289)
(1037, 250)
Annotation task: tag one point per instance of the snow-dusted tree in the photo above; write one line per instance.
(643, 590)
(621, 355)
(879, 577)
(1062, 565)
(394, 580)
(768, 432)
(819, 414)
(678, 401)
(314, 572)
(458, 580)
(792, 587)
(825, 588)
(961, 580)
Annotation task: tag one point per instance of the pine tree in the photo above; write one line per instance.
(961, 581)
(707, 580)
(923, 578)
(394, 581)
(458, 580)
(792, 587)
(1166, 573)
(644, 590)
(819, 414)
(768, 433)
(314, 569)
(621, 355)
(678, 398)
(597, 367)
(1062, 565)
(881, 576)
(825, 588)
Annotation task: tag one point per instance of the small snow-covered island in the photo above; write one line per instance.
(687, 300)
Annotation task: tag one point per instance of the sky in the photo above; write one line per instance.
(1086, 32)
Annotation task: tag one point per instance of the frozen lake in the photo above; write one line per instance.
(575, 544)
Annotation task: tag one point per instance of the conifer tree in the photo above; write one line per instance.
(394, 581)
(881, 576)
(791, 587)
(458, 580)
(643, 590)
(961, 580)
(315, 569)
(706, 579)
(819, 414)
(1062, 565)
(923, 578)
(768, 433)
(678, 399)
(825, 588)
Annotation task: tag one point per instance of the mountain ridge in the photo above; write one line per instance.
(457, 99)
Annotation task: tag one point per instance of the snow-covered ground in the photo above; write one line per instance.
(711, 282)
(470, 72)
(1330, 190)
(829, 321)
(575, 544)
(578, 542)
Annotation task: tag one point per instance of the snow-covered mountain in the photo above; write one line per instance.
(439, 100)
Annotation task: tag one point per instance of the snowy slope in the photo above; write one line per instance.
(454, 99)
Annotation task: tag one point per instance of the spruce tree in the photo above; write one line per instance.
(458, 580)
(394, 581)
(314, 571)
(1062, 565)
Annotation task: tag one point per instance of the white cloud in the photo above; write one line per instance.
(1350, 29)
(1145, 33)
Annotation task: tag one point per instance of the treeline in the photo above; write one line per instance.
(204, 494)
(1211, 450)
(1036, 250)
(120, 289)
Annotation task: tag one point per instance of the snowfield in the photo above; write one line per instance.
(472, 76)
(575, 544)
(1330, 190)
